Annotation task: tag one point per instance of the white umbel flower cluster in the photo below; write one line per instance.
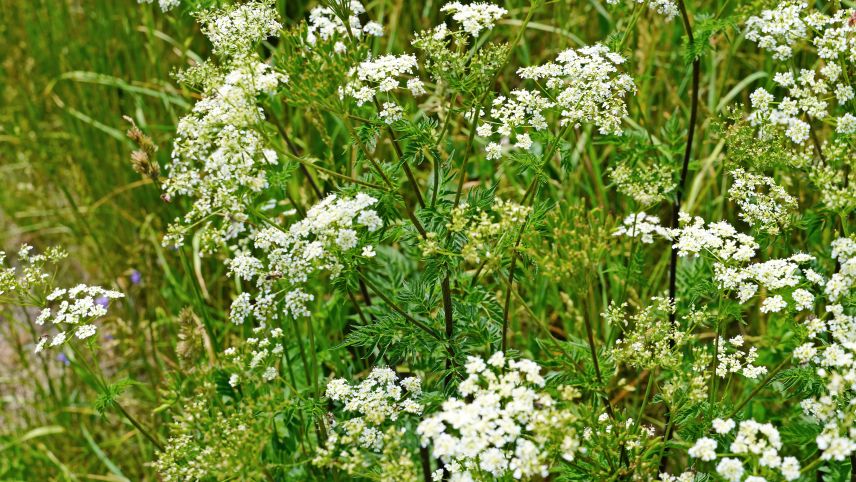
(757, 444)
(256, 359)
(762, 202)
(587, 86)
(501, 423)
(321, 242)
(643, 226)
(236, 31)
(779, 29)
(72, 311)
(476, 16)
(809, 93)
(165, 5)
(835, 359)
(373, 424)
(324, 24)
(666, 8)
(219, 156)
(381, 74)
(731, 359)
(582, 86)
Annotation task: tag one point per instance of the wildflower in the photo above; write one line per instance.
(731, 469)
(723, 426)
(476, 16)
(666, 8)
(504, 396)
(643, 226)
(704, 449)
(777, 30)
(327, 237)
(768, 207)
(587, 86)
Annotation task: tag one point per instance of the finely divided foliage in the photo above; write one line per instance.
(461, 252)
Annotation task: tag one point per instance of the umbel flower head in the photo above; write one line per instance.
(72, 312)
(219, 155)
(502, 424)
(323, 241)
(370, 433)
(476, 16)
(583, 86)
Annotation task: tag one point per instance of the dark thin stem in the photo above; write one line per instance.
(673, 261)
(425, 459)
(449, 319)
(593, 350)
(511, 267)
(139, 427)
(400, 154)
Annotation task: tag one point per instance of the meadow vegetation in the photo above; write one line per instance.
(420, 241)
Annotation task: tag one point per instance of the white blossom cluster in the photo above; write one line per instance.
(257, 357)
(500, 424)
(762, 202)
(808, 92)
(757, 444)
(731, 359)
(772, 275)
(587, 86)
(165, 5)
(381, 74)
(732, 253)
(324, 24)
(219, 156)
(476, 16)
(666, 8)
(643, 226)
(522, 109)
(582, 86)
(835, 359)
(779, 29)
(330, 232)
(236, 31)
(719, 239)
(71, 311)
(372, 421)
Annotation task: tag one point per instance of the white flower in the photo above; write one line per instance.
(731, 469)
(234, 380)
(474, 17)
(723, 426)
(493, 151)
(416, 87)
(790, 468)
(587, 86)
(773, 304)
(85, 331)
(704, 449)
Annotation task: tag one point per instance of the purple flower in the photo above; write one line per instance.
(136, 277)
(103, 301)
(64, 359)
